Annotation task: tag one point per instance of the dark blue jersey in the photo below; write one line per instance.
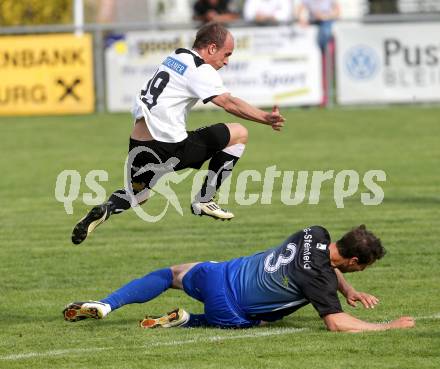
(276, 282)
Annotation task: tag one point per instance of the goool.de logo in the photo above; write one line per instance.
(361, 62)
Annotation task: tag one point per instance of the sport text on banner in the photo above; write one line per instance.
(269, 65)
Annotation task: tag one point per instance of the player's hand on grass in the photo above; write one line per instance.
(369, 301)
(403, 322)
(275, 119)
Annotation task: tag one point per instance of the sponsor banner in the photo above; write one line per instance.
(46, 74)
(270, 65)
(388, 63)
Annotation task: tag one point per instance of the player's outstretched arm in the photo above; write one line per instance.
(343, 322)
(352, 296)
(242, 109)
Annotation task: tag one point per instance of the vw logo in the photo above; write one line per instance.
(361, 62)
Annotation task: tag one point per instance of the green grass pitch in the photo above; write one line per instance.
(41, 270)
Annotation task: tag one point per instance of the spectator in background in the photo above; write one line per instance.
(268, 11)
(214, 11)
(322, 13)
(387, 7)
(105, 11)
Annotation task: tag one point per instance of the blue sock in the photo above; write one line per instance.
(196, 320)
(141, 290)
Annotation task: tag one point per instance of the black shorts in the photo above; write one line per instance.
(163, 157)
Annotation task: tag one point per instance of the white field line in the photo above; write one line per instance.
(254, 334)
(272, 332)
(428, 317)
(50, 353)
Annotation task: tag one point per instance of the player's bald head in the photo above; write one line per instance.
(211, 33)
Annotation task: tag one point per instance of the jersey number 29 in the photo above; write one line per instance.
(154, 88)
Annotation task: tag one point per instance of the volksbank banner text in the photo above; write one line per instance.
(46, 74)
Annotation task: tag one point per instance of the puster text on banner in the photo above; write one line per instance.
(388, 63)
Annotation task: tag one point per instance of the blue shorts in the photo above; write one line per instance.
(207, 283)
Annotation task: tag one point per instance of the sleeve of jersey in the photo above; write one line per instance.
(206, 83)
(320, 286)
(321, 291)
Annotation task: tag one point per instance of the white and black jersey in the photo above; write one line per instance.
(165, 100)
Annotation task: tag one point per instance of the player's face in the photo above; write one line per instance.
(220, 56)
(351, 266)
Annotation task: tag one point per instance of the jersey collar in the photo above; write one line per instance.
(198, 60)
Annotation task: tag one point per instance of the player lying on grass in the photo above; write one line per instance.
(248, 291)
(159, 134)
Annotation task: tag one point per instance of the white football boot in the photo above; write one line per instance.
(174, 318)
(76, 311)
(211, 209)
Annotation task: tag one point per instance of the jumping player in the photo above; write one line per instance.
(159, 134)
(265, 287)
